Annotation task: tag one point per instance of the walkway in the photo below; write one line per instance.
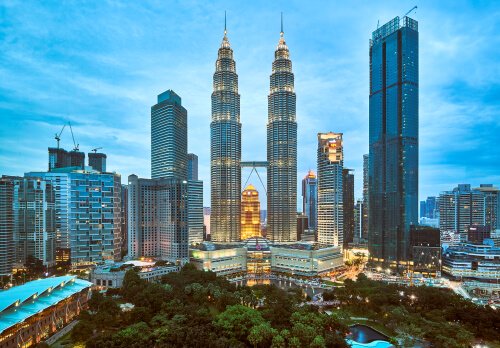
(52, 339)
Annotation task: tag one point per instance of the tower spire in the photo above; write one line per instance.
(225, 22)
(281, 33)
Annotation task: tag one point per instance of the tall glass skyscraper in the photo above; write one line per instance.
(225, 149)
(282, 149)
(330, 189)
(169, 137)
(393, 163)
(310, 199)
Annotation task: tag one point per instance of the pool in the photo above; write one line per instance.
(362, 336)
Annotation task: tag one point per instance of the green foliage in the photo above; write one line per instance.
(262, 335)
(237, 321)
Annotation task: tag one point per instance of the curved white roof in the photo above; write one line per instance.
(20, 302)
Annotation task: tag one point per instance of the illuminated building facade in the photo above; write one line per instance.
(365, 210)
(7, 249)
(330, 189)
(169, 137)
(282, 149)
(310, 199)
(348, 205)
(393, 140)
(250, 213)
(225, 149)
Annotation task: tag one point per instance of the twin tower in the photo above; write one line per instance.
(225, 149)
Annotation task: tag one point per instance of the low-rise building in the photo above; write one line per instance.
(31, 312)
(112, 275)
(305, 259)
(223, 259)
(472, 261)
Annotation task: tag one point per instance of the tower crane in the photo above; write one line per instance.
(413, 8)
(77, 146)
(58, 136)
(97, 148)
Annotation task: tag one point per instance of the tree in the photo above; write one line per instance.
(262, 335)
(237, 321)
(278, 342)
(318, 342)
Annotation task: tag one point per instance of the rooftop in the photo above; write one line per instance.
(21, 302)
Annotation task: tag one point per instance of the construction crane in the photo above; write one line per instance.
(58, 136)
(77, 146)
(97, 148)
(413, 8)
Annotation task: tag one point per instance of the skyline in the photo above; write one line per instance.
(97, 78)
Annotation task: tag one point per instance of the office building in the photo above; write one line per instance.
(461, 208)
(472, 261)
(7, 246)
(492, 205)
(302, 223)
(195, 211)
(60, 158)
(31, 312)
(310, 199)
(425, 250)
(206, 220)
(97, 161)
(476, 234)
(250, 213)
(124, 220)
(158, 219)
(87, 210)
(192, 166)
(330, 189)
(169, 137)
(358, 222)
(282, 149)
(348, 205)
(423, 209)
(365, 210)
(225, 148)
(393, 140)
(34, 211)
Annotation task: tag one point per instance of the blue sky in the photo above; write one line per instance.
(100, 65)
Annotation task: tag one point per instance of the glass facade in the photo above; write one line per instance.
(310, 199)
(282, 149)
(169, 137)
(330, 189)
(7, 249)
(225, 149)
(87, 212)
(393, 157)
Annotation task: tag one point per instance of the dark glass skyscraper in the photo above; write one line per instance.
(393, 163)
(282, 149)
(225, 149)
(169, 137)
(348, 201)
(310, 199)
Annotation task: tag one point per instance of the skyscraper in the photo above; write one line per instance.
(192, 166)
(330, 189)
(7, 250)
(250, 213)
(282, 149)
(97, 161)
(158, 218)
(169, 137)
(364, 206)
(60, 158)
(34, 211)
(423, 209)
(195, 211)
(393, 159)
(225, 148)
(461, 208)
(87, 210)
(348, 205)
(492, 205)
(310, 199)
